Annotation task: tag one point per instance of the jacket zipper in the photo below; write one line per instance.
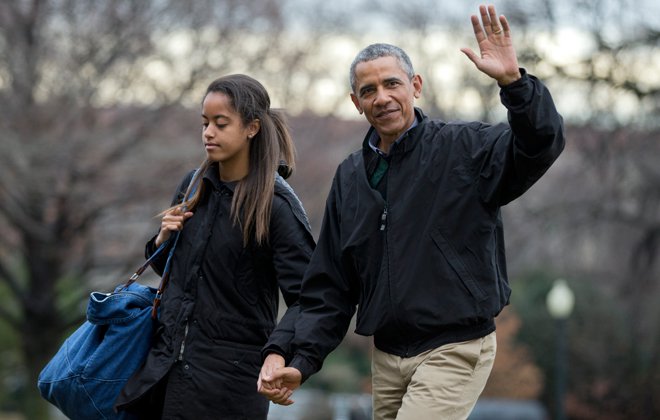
(383, 226)
(183, 343)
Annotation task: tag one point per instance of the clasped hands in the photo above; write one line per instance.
(276, 381)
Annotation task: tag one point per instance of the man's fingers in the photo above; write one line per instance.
(470, 54)
(505, 24)
(485, 18)
(283, 397)
(493, 20)
(476, 27)
(270, 393)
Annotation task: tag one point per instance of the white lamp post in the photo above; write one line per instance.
(560, 302)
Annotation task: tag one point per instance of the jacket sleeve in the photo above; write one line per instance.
(516, 156)
(158, 264)
(327, 301)
(292, 245)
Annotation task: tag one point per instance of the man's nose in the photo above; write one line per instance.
(381, 96)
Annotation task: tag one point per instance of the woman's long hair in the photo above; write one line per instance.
(253, 197)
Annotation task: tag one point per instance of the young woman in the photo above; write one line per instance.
(243, 235)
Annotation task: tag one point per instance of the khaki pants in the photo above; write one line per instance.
(439, 384)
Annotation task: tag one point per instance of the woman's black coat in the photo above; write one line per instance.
(220, 308)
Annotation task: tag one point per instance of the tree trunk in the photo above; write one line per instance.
(42, 329)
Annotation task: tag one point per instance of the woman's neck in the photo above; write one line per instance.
(229, 172)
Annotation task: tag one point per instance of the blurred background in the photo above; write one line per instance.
(99, 121)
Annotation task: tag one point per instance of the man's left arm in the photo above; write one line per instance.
(537, 126)
(536, 137)
(534, 120)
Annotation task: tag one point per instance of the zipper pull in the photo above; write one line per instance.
(183, 342)
(383, 219)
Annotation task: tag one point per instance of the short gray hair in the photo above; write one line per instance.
(375, 51)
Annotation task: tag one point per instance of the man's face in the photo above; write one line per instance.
(386, 95)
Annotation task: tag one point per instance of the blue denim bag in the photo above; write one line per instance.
(92, 366)
(85, 376)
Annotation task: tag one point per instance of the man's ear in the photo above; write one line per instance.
(356, 102)
(417, 85)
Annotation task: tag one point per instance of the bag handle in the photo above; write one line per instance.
(174, 238)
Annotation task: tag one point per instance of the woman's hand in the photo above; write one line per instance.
(277, 382)
(172, 222)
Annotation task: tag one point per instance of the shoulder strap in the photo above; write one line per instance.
(192, 187)
(174, 239)
(290, 196)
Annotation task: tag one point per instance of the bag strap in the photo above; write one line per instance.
(174, 239)
(164, 279)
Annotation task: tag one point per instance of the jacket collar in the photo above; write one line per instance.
(212, 177)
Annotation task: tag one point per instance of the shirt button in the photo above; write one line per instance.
(186, 366)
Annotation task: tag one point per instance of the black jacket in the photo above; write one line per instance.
(425, 267)
(222, 299)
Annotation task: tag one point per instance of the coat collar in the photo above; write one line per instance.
(212, 178)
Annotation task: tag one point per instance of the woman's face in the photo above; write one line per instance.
(225, 138)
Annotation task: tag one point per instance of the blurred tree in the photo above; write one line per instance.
(596, 216)
(87, 90)
(601, 56)
(603, 221)
(515, 373)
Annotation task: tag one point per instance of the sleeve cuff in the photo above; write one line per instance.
(518, 94)
(150, 248)
(272, 348)
(305, 367)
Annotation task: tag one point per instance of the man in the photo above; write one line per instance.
(412, 235)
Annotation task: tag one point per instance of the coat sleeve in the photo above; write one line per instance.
(327, 300)
(512, 158)
(158, 264)
(292, 245)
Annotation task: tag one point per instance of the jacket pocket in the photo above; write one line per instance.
(457, 264)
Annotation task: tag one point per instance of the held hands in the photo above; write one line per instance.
(172, 221)
(277, 382)
(497, 57)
